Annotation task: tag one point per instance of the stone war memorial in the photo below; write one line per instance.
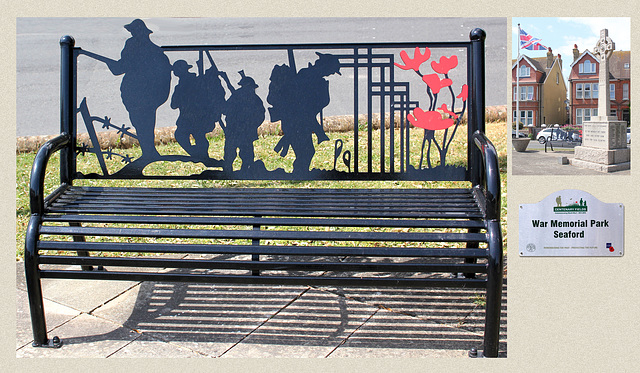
(604, 143)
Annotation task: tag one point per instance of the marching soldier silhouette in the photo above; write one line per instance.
(196, 114)
(296, 99)
(244, 113)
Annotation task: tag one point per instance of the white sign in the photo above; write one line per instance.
(571, 223)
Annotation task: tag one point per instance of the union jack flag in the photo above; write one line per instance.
(529, 42)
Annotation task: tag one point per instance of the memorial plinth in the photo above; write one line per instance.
(604, 146)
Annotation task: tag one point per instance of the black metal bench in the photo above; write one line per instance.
(373, 237)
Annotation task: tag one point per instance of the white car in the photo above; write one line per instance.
(546, 134)
(628, 135)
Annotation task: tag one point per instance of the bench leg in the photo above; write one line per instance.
(494, 291)
(472, 245)
(34, 288)
(255, 257)
(81, 252)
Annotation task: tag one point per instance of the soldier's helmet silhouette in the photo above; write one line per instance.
(246, 81)
(329, 63)
(181, 66)
(137, 26)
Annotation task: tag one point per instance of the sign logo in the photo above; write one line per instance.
(573, 207)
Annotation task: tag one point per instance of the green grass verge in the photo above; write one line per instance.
(263, 150)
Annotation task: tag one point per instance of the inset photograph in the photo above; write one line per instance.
(571, 96)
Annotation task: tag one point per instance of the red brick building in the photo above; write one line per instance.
(583, 83)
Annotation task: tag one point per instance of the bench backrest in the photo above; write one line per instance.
(406, 105)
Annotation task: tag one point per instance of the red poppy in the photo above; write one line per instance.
(445, 64)
(435, 83)
(465, 93)
(430, 120)
(447, 111)
(415, 62)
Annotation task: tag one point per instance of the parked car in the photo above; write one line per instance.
(520, 134)
(628, 135)
(558, 134)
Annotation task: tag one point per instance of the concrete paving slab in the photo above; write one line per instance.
(208, 319)
(311, 327)
(105, 339)
(147, 347)
(55, 315)
(83, 295)
(449, 306)
(394, 335)
(537, 162)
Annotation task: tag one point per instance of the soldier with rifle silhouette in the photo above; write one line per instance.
(145, 85)
(244, 113)
(297, 97)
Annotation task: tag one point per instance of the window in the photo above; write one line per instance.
(626, 66)
(526, 117)
(579, 90)
(625, 91)
(587, 91)
(612, 91)
(526, 93)
(557, 78)
(587, 115)
(587, 67)
(524, 71)
(594, 90)
(584, 115)
(578, 116)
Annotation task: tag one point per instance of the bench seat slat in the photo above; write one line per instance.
(135, 247)
(264, 234)
(311, 222)
(265, 265)
(267, 280)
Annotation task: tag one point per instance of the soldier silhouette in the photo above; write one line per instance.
(192, 96)
(145, 85)
(244, 113)
(296, 100)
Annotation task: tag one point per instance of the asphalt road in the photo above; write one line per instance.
(38, 55)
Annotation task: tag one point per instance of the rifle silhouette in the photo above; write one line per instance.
(110, 62)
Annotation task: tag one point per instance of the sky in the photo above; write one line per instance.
(560, 34)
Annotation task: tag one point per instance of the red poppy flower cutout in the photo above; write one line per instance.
(445, 64)
(435, 83)
(448, 112)
(430, 120)
(415, 62)
(465, 93)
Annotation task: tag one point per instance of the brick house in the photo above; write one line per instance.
(583, 83)
(543, 90)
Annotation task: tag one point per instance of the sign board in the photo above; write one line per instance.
(571, 222)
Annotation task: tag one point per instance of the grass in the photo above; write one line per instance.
(324, 159)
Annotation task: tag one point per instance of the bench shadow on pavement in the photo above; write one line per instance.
(229, 315)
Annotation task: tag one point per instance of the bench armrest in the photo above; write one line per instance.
(490, 174)
(36, 183)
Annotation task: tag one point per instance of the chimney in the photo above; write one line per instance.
(560, 60)
(576, 52)
(549, 58)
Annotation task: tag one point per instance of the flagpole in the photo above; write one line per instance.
(518, 85)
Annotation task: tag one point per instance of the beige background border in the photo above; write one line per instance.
(564, 314)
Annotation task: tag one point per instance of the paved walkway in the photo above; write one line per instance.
(111, 319)
(537, 162)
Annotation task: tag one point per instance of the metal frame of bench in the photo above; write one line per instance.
(475, 210)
